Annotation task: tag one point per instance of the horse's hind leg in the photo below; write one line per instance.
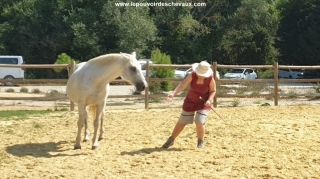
(86, 129)
(101, 136)
(103, 112)
(97, 124)
(81, 122)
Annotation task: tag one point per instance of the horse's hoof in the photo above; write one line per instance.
(100, 138)
(95, 147)
(77, 147)
(85, 140)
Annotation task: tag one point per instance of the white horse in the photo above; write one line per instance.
(89, 86)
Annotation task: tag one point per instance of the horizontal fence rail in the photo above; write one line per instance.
(70, 67)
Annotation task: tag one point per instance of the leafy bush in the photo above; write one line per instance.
(316, 87)
(161, 58)
(221, 90)
(223, 71)
(235, 102)
(266, 74)
(257, 88)
(24, 90)
(9, 90)
(54, 93)
(155, 87)
(63, 58)
(36, 90)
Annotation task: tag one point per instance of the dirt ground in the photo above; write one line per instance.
(248, 142)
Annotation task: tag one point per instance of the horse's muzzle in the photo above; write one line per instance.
(141, 87)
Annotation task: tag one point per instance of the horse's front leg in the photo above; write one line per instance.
(81, 122)
(97, 123)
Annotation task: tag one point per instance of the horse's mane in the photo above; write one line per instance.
(109, 58)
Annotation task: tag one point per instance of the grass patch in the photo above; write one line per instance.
(57, 108)
(135, 92)
(55, 93)
(241, 90)
(36, 91)
(257, 101)
(292, 93)
(9, 90)
(155, 100)
(235, 102)
(10, 131)
(37, 125)
(20, 114)
(265, 104)
(24, 90)
(316, 87)
(119, 104)
(221, 90)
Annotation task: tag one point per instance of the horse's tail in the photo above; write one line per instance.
(93, 111)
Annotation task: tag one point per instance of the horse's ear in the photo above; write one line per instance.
(134, 54)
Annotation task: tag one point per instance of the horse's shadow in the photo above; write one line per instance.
(149, 151)
(37, 150)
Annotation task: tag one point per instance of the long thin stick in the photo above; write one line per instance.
(218, 114)
(213, 110)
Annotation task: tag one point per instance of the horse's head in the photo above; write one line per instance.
(132, 72)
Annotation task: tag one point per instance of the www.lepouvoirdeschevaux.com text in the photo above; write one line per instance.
(160, 4)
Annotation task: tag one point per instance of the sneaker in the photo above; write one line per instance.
(169, 142)
(201, 143)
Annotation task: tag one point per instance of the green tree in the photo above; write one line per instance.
(299, 32)
(178, 33)
(33, 29)
(192, 34)
(128, 28)
(161, 58)
(85, 29)
(250, 33)
(63, 59)
(211, 16)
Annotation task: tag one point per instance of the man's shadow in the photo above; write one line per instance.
(149, 151)
(37, 150)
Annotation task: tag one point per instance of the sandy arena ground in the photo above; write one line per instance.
(249, 142)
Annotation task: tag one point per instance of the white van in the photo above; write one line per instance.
(8, 73)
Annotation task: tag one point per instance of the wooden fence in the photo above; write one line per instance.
(70, 67)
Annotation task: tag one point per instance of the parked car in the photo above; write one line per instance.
(311, 73)
(241, 73)
(288, 73)
(180, 73)
(8, 73)
(183, 72)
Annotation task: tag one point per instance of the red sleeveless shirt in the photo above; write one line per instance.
(193, 102)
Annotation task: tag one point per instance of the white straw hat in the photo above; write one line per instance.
(202, 69)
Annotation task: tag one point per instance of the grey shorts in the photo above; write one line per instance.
(188, 117)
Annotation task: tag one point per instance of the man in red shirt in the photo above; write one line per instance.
(202, 88)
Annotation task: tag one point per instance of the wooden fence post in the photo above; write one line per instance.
(276, 80)
(72, 67)
(215, 67)
(146, 98)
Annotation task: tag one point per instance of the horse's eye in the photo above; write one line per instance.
(134, 69)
